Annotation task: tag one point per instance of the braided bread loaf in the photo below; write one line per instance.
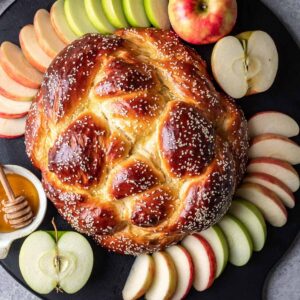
(135, 145)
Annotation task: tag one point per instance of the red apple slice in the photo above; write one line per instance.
(203, 259)
(267, 202)
(277, 168)
(139, 278)
(60, 24)
(185, 271)
(13, 90)
(165, 277)
(12, 128)
(47, 38)
(275, 185)
(17, 67)
(275, 146)
(32, 50)
(10, 109)
(272, 122)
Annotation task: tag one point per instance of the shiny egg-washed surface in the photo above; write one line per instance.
(135, 145)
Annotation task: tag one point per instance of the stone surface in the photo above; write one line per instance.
(283, 282)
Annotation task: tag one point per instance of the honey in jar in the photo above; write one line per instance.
(20, 186)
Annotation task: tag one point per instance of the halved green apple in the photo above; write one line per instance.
(114, 12)
(245, 64)
(46, 264)
(97, 16)
(135, 13)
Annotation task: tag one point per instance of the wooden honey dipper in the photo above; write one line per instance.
(17, 210)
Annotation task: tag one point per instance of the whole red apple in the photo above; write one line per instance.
(202, 21)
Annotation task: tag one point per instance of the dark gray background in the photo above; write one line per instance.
(284, 282)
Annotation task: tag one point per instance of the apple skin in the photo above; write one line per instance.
(211, 258)
(12, 128)
(17, 67)
(274, 184)
(282, 170)
(202, 27)
(189, 261)
(12, 116)
(12, 96)
(10, 137)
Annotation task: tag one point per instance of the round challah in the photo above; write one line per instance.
(135, 145)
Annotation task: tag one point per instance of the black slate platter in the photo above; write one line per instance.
(110, 270)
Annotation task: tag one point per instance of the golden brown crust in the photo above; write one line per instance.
(135, 145)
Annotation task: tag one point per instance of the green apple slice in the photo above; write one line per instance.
(157, 13)
(135, 13)
(77, 261)
(218, 242)
(32, 261)
(77, 17)
(60, 24)
(239, 240)
(253, 219)
(114, 12)
(97, 17)
(139, 278)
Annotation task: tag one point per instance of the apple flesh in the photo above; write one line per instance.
(203, 259)
(239, 240)
(113, 10)
(47, 37)
(60, 24)
(77, 18)
(32, 50)
(135, 13)
(272, 122)
(45, 264)
(217, 241)
(261, 60)
(12, 128)
(246, 64)
(139, 278)
(165, 277)
(275, 185)
(11, 89)
(97, 16)
(157, 13)
(227, 63)
(277, 168)
(73, 246)
(275, 146)
(253, 220)
(202, 22)
(17, 67)
(267, 202)
(185, 271)
(10, 109)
